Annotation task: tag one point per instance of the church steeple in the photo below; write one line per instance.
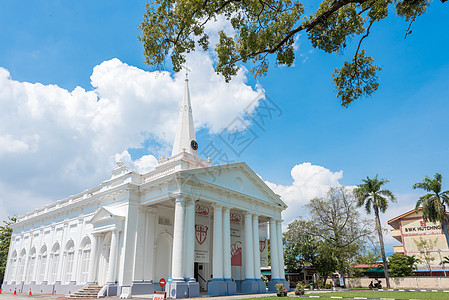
(185, 131)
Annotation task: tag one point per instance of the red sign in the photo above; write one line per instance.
(262, 243)
(236, 254)
(202, 210)
(200, 233)
(162, 282)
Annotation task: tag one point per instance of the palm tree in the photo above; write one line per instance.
(371, 194)
(433, 204)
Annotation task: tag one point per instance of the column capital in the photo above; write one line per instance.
(180, 199)
(217, 206)
(226, 209)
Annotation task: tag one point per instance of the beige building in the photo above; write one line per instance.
(409, 229)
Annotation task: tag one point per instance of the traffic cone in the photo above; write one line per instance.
(29, 294)
(15, 293)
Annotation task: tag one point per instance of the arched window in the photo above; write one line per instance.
(84, 259)
(12, 266)
(54, 262)
(69, 254)
(42, 264)
(22, 260)
(31, 263)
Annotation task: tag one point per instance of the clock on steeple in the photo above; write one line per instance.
(194, 145)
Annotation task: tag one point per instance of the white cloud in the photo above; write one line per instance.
(55, 142)
(309, 181)
(142, 165)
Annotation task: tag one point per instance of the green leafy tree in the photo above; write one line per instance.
(325, 262)
(337, 223)
(301, 248)
(373, 197)
(426, 248)
(434, 203)
(402, 265)
(5, 240)
(172, 28)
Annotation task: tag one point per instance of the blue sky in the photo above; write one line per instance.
(399, 133)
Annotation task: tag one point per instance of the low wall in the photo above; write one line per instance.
(403, 282)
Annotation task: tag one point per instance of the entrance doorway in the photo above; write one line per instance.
(103, 264)
(200, 276)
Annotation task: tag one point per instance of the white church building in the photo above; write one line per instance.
(203, 228)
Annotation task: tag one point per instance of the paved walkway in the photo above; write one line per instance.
(23, 296)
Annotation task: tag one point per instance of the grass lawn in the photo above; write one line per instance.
(368, 294)
(391, 295)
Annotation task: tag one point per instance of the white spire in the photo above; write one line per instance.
(185, 132)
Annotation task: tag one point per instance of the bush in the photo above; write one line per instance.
(328, 286)
(280, 288)
(300, 286)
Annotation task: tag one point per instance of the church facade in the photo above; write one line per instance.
(203, 228)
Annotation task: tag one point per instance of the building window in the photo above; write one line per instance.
(22, 260)
(54, 271)
(42, 268)
(69, 266)
(55, 263)
(69, 257)
(42, 264)
(31, 263)
(84, 260)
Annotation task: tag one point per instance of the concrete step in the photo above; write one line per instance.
(87, 292)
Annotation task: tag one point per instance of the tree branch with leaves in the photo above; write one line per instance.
(265, 28)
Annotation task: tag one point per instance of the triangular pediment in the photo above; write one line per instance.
(104, 215)
(237, 177)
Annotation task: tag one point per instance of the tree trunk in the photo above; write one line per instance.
(382, 248)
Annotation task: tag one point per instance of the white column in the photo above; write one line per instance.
(92, 259)
(190, 240)
(248, 247)
(217, 266)
(112, 257)
(256, 247)
(178, 241)
(274, 250)
(281, 249)
(140, 245)
(149, 246)
(227, 243)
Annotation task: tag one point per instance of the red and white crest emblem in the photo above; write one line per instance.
(201, 233)
(202, 210)
(235, 218)
(262, 243)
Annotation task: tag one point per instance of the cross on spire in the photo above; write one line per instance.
(187, 71)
